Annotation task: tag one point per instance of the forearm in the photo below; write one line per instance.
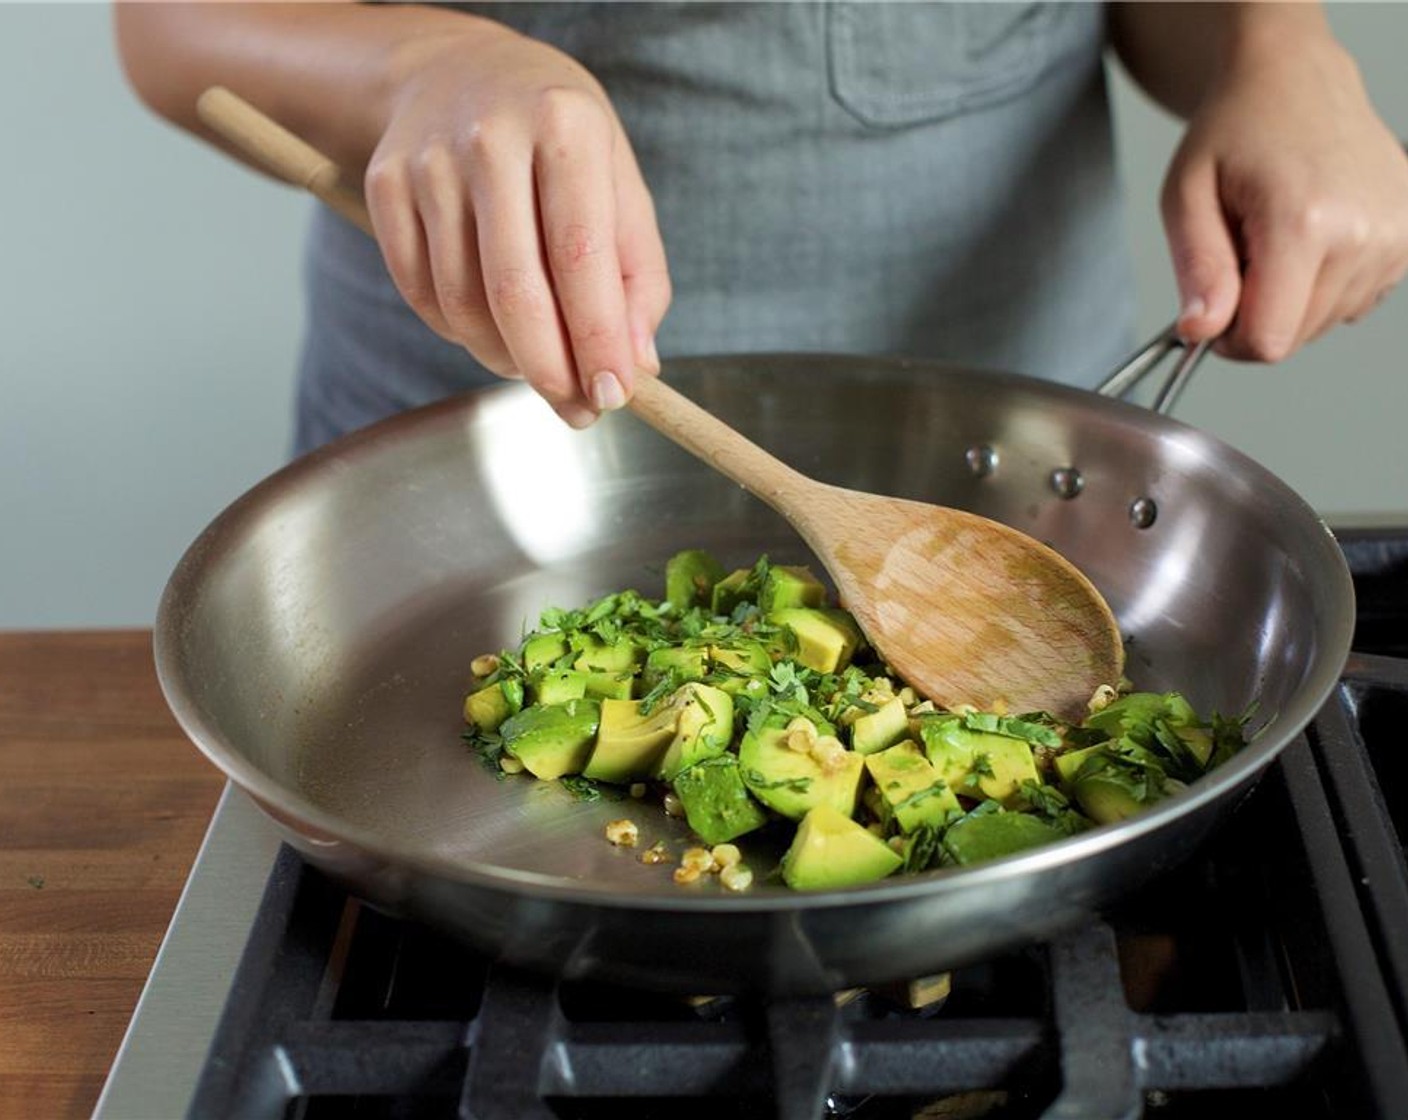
(325, 70)
(1178, 51)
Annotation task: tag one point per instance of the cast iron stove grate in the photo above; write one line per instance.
(1269, 975)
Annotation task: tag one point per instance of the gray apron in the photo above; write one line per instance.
(932, 180)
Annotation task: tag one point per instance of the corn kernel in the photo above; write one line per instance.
(1103, 697)
(908, 697)
(637, 790)
(829, 754)
(484, 664)
(798, 741)
(656, 853)
(622, 833)
(736, 877)
(726, 855)
(850, 715)
(510, 765)
(674, 807)
(701, 859)
(686, 875)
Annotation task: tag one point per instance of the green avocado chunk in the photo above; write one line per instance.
(879, 729)
(792, 782)
(716, 802)
(610, 686)
(704, 729)
(1128, 713)
(729, 592)
(628, 742)
(831, 851)
(978, 763)
(690, 577)
(688, 663)
(911, 793)
(790, 586)
(991, 835)
(487, 708)
(1108, 787)
(541, 650)
(558, 686)
(827, 638)
(553, 740)
(596, 656)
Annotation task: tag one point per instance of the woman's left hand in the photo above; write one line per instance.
(1286, 205)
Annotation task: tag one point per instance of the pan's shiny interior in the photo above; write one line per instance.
(315, 641)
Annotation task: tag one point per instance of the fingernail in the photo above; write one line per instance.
(575, 416)
(607, 393)
(652, 355)
(1193, 308)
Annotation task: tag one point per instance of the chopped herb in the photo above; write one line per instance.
(583, 789)
(757, 780)
(923, 846)
(919, 796)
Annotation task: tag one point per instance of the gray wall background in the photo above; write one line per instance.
(149, 322)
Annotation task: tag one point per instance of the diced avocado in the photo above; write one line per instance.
(554, 739)
(628, 742)
(558, 686)
(688, 663)
(729, 592)
(791, 782)
(991, 835)
(690, 577)
(741, 666)
(978, 763)
(879, 729)
(1070, 761)
(826, 638)
(610, 686)
(716, 802)
(1199, 741)
(742, 656)
(704, 730)
(1104, 786)
(831, 851)
(595, 656)
(787, 586)
(487, 708)
(910, 789)
(541, 650)
(1104, 801)
(1121, 716)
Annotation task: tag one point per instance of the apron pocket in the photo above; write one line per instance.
(896, 64)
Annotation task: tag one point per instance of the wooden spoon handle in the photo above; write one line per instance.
(273, 147)
(704, 435)
(280, 152)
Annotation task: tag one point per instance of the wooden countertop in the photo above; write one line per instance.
(103, 804)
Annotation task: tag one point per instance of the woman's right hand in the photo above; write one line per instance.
(513, 217)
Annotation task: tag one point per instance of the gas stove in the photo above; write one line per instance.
(1270, 972)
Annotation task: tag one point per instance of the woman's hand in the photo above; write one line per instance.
(1286, 205)
(514, 219)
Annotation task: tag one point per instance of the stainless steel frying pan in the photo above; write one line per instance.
(315, 639)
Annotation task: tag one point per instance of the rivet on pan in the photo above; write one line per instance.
(982, 460)
(1067, 481)
(1142, 512)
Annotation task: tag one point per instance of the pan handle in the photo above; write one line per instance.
(1147, 358)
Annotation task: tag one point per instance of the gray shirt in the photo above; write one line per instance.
(927, 179)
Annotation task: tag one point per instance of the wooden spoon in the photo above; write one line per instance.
(967, 610)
